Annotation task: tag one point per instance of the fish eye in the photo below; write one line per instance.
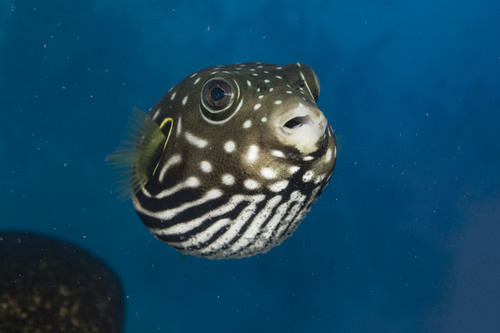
(217, 95)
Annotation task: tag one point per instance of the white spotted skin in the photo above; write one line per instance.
(229, 146)
(228, 179)
(237, 182)
(251, 184)
(268, 173)
(195, 140)
(252, 153)
(206, 166)
(247, 124)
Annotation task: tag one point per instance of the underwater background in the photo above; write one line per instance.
(406, 237)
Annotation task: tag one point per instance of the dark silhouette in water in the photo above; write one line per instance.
(48, 285)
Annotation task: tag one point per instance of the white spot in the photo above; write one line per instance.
(257, 106)
(308, 175)
(184, 100)
(173, 95)
(255, 74)
(277, 153)
(279, 77)
(197, 80)
(279, 67)
(251, 184)
(192, 182)
(279, 186)
(268, 173)
(229, 146)
(263, 119)
(227, 179)
(267, 81)
(308, 158)
(293, 169)
(206, 166)
(249, 83)
(156, 114)
(247, 123)
(195, 140)
(193, 75)
(319, 179)
(253, 153)
(328, 155)
(289, 92)
(278, 102)
(271, 89)
(260, 97)
(179, 127)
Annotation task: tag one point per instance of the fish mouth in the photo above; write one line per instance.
(301, 127)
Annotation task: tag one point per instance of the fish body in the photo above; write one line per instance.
(229, 161)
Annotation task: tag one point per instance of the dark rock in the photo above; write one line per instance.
(48, 285)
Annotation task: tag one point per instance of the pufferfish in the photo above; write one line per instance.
(229, 161)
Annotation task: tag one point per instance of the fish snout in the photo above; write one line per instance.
(301, 127)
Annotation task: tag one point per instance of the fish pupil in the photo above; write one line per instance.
(217, 94)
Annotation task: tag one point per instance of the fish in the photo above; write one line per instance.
(229, 161)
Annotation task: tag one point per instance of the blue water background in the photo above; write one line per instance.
(406, 238)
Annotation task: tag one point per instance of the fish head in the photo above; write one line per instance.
(253, 121)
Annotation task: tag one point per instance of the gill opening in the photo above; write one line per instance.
(166, 121)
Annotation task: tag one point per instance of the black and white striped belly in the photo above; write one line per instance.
(219, 224)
